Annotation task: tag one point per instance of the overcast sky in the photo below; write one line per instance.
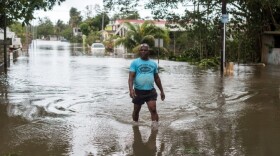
(62, 11)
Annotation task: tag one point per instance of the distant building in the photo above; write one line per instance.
(54, 38)
(119, 28)
(77, 31)
(16, 42)
(9, 33)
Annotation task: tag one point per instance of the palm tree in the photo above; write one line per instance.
(137, 34)
(59, 26)
(75, 17)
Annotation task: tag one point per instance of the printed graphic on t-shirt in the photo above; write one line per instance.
(145, 68)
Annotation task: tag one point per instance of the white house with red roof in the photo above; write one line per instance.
(119, 28)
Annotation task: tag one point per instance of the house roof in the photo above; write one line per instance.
(140, 21)
(271, 32)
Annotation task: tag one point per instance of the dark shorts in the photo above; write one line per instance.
(143, 96)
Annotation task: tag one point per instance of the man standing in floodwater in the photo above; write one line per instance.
(143, 73)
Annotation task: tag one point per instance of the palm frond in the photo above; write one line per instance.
(147, 32)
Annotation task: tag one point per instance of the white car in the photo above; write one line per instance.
(98, 48)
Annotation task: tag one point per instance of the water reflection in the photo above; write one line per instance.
(63, 101)
(148, 148)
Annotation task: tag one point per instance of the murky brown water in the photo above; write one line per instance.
(60, 100)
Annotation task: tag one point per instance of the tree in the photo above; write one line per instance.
(75, 17)
(67, 33)
(19, 30)
(249, 20)
(94, 36)
(45, 28)
(137, 34)
(23, 10)
(94, 24)
(85, 28)
(129, 15)
(59, 26)
(100, 21)
(133, 15)
(123, 6)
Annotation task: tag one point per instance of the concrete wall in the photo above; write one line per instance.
(274, 57)
(9, 34)
(270, 50)
(267, 40)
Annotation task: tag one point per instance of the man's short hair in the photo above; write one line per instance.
(144, 45)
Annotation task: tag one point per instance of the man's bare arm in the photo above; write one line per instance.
(158, 83)
(130, 84)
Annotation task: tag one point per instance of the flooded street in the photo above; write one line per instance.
(58, 99)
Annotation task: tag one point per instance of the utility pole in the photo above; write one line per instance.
(102, 20)
(102, 35)
(174, 48)
(158, 51)
(5, 45)
(223, 34)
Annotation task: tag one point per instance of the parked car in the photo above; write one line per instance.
(98, 48)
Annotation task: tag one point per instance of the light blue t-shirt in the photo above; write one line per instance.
(144, 73)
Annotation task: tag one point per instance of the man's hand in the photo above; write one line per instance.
(132, 93)
(162, 95)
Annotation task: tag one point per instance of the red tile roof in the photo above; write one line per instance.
(140, 21)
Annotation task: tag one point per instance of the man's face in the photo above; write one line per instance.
(144, 52)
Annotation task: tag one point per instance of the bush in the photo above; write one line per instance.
(212, 62)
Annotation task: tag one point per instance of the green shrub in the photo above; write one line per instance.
(211, 62)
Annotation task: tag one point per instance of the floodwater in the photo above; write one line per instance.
(58, 99)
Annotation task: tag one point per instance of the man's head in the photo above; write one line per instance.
(144, 51)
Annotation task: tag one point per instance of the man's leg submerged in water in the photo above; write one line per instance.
(153, 110)
(135, 114)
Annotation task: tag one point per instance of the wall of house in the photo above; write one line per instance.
(274, 56)
(267, 40)
(9, 34)
(271, 48)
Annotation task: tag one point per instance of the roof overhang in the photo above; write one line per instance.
(271, 33)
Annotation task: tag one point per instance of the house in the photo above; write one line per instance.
(16, 42)
(77, 31)
(119, 28)
(9, 33)
(271, 47)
